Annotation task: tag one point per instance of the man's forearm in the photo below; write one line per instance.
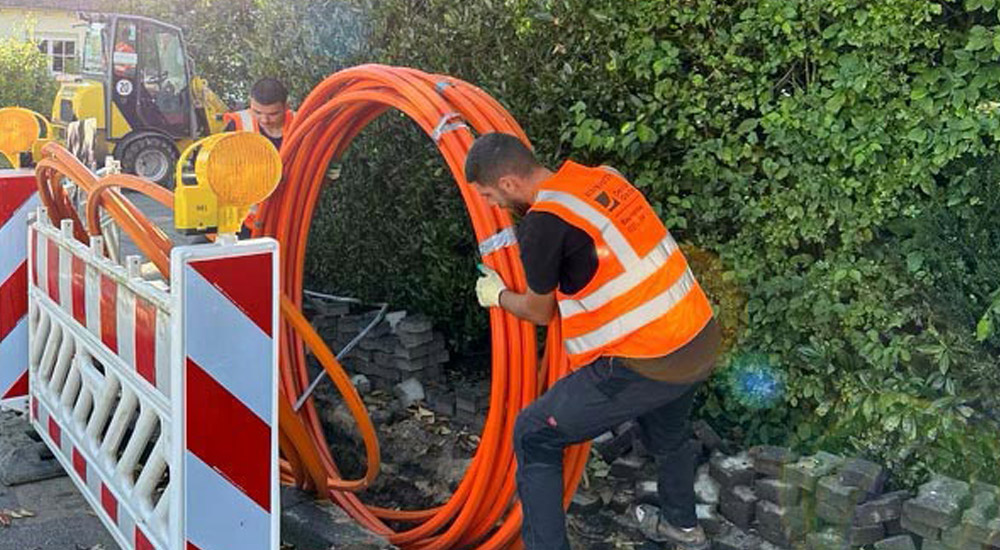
(519, 305)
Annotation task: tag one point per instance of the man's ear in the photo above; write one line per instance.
(507, 184)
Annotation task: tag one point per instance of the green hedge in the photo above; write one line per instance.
(25, 76)
(393, 228)
(838, 156)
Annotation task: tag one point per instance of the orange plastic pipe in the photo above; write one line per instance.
(483, 512)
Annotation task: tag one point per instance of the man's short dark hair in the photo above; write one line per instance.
(268, 91)
(495, 155)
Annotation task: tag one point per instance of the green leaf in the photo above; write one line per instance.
(979, 38)
(645, 133)
(984, 328)
(891, 422)
(917, 135)
(662, 64)
(746, 126)
(835, 102)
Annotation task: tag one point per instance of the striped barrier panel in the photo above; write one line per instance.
(18, 198)
(160, 401)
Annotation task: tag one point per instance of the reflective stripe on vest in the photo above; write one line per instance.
(245, 120)
(616, 241)
(635, 319)
(631, 278)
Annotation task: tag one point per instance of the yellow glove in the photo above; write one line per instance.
(489, 287)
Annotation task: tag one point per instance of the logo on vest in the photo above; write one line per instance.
(607, 201)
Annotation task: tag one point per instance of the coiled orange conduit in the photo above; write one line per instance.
(483, 512)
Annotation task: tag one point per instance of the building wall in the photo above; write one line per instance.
(43, 24)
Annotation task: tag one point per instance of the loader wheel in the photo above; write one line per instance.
(150, 157)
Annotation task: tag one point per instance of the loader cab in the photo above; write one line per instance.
(136, 91)
(144, 67)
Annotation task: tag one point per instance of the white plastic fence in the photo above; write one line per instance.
(160, 402)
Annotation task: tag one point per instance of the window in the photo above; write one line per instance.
(94, 54)
(61, 53)
(125, 57)
(163, 77)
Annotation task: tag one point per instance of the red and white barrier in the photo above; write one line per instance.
(18, 198)
(159, 401)
(227, 417)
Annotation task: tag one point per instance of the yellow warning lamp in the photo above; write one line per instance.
(22, 134)
(220, 177)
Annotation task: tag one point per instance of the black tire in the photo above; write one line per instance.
(149, 156)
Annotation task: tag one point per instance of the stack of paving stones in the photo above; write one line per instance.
(403, 355)
(781, 515)
(948, 514)
(737, 502)
(737, 499)
(770, 498)
(817, 502)
(325, 315)
(466, 402)
(399, 347)
(852, 508)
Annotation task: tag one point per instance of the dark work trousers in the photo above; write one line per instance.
(583, 405)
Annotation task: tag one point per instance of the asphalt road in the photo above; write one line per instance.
(58, 517)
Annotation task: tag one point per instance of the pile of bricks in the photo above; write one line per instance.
(852, 508)
(325, 315)
(818, 502)
(404, 355)
(948, 514)
(755, 495)
(772, 498)
(399, 347)
(465, 402)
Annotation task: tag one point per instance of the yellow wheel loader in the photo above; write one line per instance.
(136, 98)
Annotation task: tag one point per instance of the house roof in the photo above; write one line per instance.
(62, 5)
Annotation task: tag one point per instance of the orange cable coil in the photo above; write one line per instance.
(483, 513)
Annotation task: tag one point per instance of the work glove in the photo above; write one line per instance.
(489, 287)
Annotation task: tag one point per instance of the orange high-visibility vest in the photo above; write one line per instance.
(643, 300)
(244, 120)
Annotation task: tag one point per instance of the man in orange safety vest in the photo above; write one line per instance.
(639, 331)
(268, 115)
(268, 112)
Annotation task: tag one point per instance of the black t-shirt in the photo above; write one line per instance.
(555, 253)
(275, 140)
